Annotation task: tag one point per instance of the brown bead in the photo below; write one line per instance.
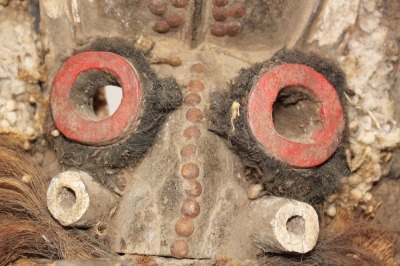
(190, 208)
(193, 188)
(218, 29)
(175, 20)
(237, 10)
(179, 3)
(195, 85)
(233, 28)
(220, 2)
(184, 226)
(188, 150)
(175, 61)
(192, 99)
(192, 133)
(161, 26)
(190, 170)
(158, 7)
(179, 249)
(194, 115)
(198, 68)
(220, 13)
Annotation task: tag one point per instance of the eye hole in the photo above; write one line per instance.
(296, 115)
(111, 74)
(113, 96)
(96, 94)
(285, 120)
(106, 101)
(100, 104)
(72, 97)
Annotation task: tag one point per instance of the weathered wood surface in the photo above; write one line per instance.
(361, 35)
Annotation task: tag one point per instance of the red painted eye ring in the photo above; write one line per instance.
(72, 123)
(323, 143)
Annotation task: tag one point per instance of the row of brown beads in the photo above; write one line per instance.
(160, 8)
(221, 12)
(190, 170)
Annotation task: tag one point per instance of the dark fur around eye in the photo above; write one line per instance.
(161, 96)
(310, 185)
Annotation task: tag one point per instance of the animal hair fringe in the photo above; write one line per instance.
(27, 229)
(346, 241)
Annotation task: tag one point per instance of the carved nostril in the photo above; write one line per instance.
(75, 199)
(66, 198)
(296, 225)
(283, 225)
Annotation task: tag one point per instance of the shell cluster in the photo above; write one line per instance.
(374, 133)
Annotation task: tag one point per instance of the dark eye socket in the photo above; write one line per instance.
(298, 87)
(296, 114)
(74, 86)
(291, 130)
(95, 145)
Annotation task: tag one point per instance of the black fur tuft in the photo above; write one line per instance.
(310, 185)
(161, 96)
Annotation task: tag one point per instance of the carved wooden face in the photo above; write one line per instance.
(194, 138)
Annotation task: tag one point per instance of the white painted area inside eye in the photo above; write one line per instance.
(113, 96)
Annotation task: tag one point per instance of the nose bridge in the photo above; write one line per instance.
(192, 202)
(184, 206)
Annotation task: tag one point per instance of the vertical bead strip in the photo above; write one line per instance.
(190, 169)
